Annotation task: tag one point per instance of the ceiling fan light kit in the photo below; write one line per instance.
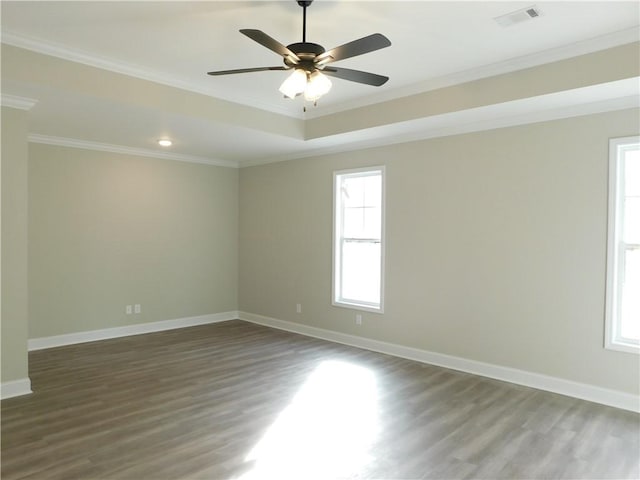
(309, 61)
(295, 83)
(317, 85)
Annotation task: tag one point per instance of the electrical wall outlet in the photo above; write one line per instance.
(137, 308)
(298, 308)
(128, 309)
(358, 319)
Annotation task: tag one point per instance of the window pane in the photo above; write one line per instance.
(372, 223)
(632, 173)
(372, 190)
(353, 191)
(362, 222)
(630, 318)
(363, 191)
(631, 220)
(361, 272)
(353, 223)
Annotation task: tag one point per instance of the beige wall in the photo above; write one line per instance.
(496, 246)
(108, 230)
(14, 245)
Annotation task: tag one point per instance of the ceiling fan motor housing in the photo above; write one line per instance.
(306, 52)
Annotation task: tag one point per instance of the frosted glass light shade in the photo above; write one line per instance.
(294, 84)
(317, 86)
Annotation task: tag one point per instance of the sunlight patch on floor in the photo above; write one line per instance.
(326, 431)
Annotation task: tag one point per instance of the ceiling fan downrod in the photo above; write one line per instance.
(304, 4)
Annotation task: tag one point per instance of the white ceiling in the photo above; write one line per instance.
(434, 44)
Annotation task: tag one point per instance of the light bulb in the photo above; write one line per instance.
(317, 86)
(294, 84)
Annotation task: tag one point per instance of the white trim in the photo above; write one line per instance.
(47, 47)
(125, 331)
(142, 152)
(612, 221)
(615, 261)
(336, 277)
(15, 388)
(570, 388)
(427, 128)
(583, 47)
(591, 45)
(13, 101)
(379, 137)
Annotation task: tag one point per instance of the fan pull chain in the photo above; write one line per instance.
(304, 106)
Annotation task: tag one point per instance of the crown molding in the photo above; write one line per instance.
(583, 47)
(46, 47)
(13, 101)
(604, 42)
(409, 132)
(141, 152)
(425, 129)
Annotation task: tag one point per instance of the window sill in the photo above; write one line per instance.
(623, 347)
(357, 306)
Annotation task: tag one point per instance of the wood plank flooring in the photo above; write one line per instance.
(239, 401)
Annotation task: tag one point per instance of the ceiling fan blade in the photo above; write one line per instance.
(363, 45)
(272, 44)
(356, 76)
(246, 70)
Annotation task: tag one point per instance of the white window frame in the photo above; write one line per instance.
(616, 247)
(337, 242)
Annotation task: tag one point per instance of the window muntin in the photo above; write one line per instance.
(358, 238)
(623, 256)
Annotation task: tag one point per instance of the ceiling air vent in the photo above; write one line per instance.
(518, 16)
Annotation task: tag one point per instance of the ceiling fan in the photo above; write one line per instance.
(310, 61)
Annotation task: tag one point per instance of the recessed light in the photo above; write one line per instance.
(164, 142)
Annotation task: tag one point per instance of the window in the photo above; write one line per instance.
(623, 249)
(358, 249)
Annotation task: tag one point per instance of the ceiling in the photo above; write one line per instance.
(435, 45)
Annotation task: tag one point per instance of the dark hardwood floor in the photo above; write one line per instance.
(239, 401)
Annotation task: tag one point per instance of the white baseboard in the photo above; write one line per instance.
(137, 329)
(15, 388)
(613, 398)
(583, 391)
